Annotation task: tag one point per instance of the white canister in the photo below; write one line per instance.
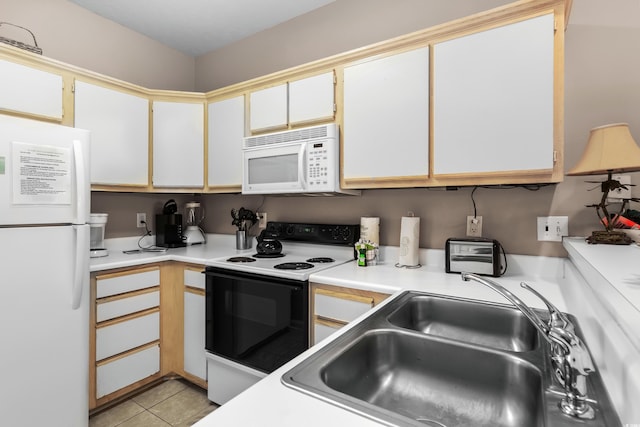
(370, 229)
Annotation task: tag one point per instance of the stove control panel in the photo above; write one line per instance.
(335, 234)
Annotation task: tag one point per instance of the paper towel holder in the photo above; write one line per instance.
(410, 214)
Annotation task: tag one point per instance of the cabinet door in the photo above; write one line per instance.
(178, 144)
(493, 100)
(226, 131)
(312, 99)
(28, 90)
(195, 362)
(119, 125)
(386, 120)
(268, 108)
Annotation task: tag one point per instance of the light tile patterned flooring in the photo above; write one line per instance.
(173, 403)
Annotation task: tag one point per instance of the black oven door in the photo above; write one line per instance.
(256, 320)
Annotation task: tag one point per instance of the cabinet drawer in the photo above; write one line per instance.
(127, 370)
(114, 339)
(117, 284)
(120, 307)
(322, 331)
(341, 309)
(194, 278)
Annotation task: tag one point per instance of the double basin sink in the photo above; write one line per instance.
(430, 360)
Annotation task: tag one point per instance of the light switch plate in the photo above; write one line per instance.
(552, 228)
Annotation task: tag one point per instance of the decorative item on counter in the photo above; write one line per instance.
(409, 254)
(610, 149)
(367, 253)
(21, 45)
(370, 229)
(244, 219)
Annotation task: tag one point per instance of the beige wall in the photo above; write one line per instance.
(73, 35)
(601, 87)
(338, 27)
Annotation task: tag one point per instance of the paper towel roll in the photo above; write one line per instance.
(409, 241)
(370, 229)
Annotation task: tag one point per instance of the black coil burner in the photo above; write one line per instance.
(321, 260)
(241, 259)
(293, 266)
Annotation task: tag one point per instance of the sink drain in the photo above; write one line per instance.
(430, 422)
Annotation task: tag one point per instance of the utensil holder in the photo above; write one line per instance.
(242, 240)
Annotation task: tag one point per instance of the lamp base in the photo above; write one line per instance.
(609, 238)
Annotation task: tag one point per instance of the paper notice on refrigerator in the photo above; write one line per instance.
(41, 174)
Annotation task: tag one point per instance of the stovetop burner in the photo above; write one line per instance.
(241, 259)
(321, 260)
(293, 266)
(280, 255)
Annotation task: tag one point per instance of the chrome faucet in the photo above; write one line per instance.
(569, 356)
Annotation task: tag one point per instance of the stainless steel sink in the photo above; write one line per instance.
(487, 325)
(429, 360)
(432, 381)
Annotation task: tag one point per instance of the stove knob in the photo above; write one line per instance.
(290, 230)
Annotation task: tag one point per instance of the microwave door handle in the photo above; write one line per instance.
(301, 166)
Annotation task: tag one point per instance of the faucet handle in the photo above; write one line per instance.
(577, 354)
(557, 319)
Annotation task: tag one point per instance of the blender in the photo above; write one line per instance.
(194, 215)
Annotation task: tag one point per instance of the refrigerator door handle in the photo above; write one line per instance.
(82, 182)
(81, 264)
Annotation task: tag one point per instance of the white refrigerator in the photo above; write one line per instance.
(44, 274)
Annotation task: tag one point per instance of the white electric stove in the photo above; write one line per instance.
(257, 305)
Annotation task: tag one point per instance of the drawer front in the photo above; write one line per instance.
(121, 307)
(194, 278)
(322, 331)
(338, 308)
(124, 336)
(122, 372)
(126, 283)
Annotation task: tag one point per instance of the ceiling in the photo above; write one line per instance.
(196, 27)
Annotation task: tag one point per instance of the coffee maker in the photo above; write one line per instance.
(169, 227)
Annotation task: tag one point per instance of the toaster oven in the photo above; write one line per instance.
(475, 255)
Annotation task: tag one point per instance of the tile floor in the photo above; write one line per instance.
(173, 403)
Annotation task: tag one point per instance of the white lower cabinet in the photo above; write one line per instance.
(125, 332)
(333, 307)
(115, 375)
(195, 362)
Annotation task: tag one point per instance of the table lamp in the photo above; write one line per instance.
(610, 149)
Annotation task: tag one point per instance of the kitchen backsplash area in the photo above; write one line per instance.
(442, 213)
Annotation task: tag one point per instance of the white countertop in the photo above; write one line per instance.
(218, 245)
(270, 403)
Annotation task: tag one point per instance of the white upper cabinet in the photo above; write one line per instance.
(386, 120)
(269, 108)
(226, 132)
(493, 100)
(178, 144)
(307, 100)
(29, 90)
(312, 99)
(119, 125)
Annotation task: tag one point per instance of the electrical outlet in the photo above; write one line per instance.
(620, 193)
(552, 228)
(262, 219)
(474, 226)
(141, 219)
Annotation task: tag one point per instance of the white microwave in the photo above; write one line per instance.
(300, 161)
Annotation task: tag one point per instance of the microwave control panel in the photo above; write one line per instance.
(320, 171)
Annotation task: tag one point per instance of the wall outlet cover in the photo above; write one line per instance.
(552, 228)
(474, 226)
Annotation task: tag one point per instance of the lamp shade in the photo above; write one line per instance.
(610, 148)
